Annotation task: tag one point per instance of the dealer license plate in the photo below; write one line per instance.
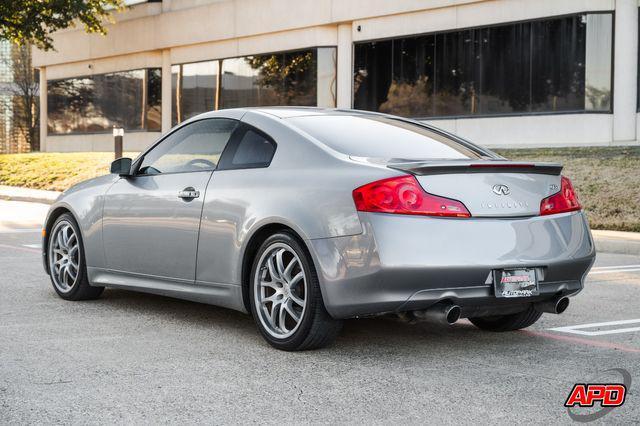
(515, 283)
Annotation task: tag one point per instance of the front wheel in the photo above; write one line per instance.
(66, 261)
(508, 322)
(285, 297)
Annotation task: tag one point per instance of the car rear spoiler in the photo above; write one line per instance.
(481, 166)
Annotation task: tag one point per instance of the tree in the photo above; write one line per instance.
(285, 77)
(33, 21)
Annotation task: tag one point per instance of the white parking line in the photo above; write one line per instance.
(614, 269)
(36, 246)
(598, 268)
(580, 329)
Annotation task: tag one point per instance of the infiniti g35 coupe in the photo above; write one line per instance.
(305, 217)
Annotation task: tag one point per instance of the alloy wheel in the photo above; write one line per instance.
(64, 256)
(280, 290)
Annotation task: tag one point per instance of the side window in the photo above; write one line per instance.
(251, 149)
(194, 147)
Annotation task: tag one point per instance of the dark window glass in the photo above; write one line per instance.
(274, 79)
(528, 67)
(372, 76)
(381, 137)
(301, 78)
(253, 149)
(176, 82)
(411, 89)
(153, 115)
(194, 147)
(557, 64)
(193, 89)
(457, 77)
(130, 99)
(505, 71)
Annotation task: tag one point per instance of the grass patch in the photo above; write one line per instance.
(53, 171)
(607, 180)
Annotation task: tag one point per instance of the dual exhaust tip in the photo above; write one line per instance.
(448, 313)
(554, 306)
(443, 313)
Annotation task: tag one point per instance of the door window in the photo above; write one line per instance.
(194, 147)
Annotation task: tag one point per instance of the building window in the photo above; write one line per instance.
(544, 66)
(97, 103)
(194, 88)
(301, 78)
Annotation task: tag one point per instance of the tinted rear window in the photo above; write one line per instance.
(381, 137)
(253, 149)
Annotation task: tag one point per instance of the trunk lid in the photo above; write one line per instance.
(488, 188)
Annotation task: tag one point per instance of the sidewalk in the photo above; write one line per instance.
(617, 242)
(14, 193)
(606, 241)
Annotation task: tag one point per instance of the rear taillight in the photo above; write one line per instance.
(561, 202)
(404, 195)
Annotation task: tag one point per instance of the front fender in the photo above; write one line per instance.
(85, 202)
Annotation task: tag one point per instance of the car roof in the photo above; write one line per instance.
(297, 111)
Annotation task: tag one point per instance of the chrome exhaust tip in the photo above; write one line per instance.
(452, 314)
(443, 313)
(553, 306)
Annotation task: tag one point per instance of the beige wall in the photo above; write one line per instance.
(471, 15)
(147, 28)
(528, 131)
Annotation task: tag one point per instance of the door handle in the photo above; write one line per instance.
(188, 193)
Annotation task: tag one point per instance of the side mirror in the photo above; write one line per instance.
(121, 166)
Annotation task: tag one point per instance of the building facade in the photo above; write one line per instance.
(508, 73)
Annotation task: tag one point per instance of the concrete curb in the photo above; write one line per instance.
(617, 242)
(13, 193)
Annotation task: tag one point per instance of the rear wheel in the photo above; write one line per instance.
(285, 297)
(508, 322)
(67, 267)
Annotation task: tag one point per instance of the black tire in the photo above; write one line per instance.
(508, 322)
(316, 328)
(81, 289)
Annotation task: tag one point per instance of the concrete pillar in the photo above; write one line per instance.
(166, 90)
(43, 109)
(625, 77)
(345, 66)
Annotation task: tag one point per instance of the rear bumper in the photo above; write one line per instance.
(402, 263)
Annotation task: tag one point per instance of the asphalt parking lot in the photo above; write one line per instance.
(135, 358)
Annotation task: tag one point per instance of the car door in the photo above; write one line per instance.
(230, 204)
(151, 220)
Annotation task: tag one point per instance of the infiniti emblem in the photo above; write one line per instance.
(501, 189)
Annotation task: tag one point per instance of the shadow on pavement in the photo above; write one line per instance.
(373, 334)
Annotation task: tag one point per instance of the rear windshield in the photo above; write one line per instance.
(381, 137)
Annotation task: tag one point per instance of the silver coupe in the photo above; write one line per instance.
(304, 217)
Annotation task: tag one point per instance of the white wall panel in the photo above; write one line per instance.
(533, 130)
